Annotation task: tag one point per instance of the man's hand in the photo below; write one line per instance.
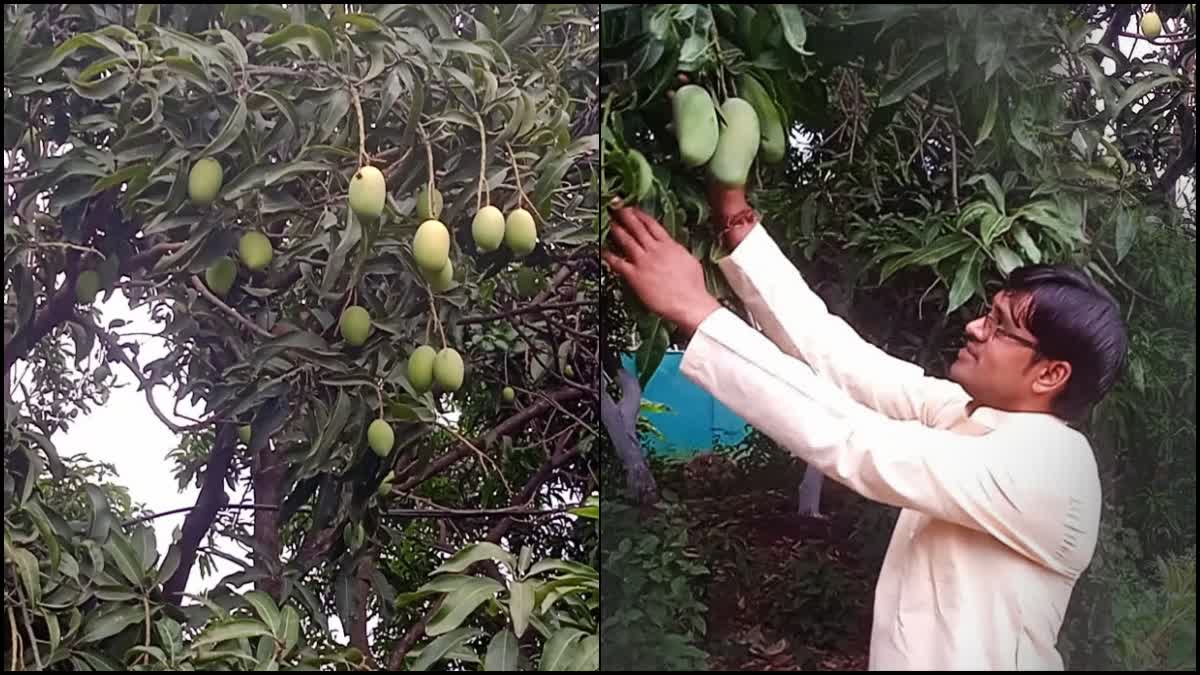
(661, 272)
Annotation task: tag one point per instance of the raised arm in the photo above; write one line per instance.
(1033, 485)
(799, 323)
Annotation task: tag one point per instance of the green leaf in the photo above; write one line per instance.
(1027, 244)
(14, 42)
(291, 628)
(102, 89)
(186, 68)
(362, 22)
(992, 186)
(1022, 126)
(794, 30)
(520, 604)
(122, 553)
(267, 176)
(460, 603)
(435, 651)
(316, 40)
(1006, 259)
(235, 629)
(27, 569)
(918, 74)
(265, 606)
(474, 553)
(502, 652)
(995, 227)
(233, 128)
(101, 520)
(107, 624)
(464, 47)
(563, 565)
(588, 654)
(651, 352)
(1140, 89)
(48, 536)
(944, 247)
(1127, 230)
(557, 654)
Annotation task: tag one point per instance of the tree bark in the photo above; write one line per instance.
(212, 497)
(620, 420)
(268, 490)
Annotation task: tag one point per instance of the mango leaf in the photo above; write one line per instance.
(1032, 252)
(316, 40)
(989, 119)
(107, 624)
(438, 649)
(265, 606)
(502, 652)
(27, 568)
(993, 188)
(918, 74)
(473, 554)
(1139, 89)
(794, 30)
(1127, 230)
(229, 133)
(588, 654)
(557, 654)
(1006, 259)
(235, 629)
(460, 603)
(520, 604)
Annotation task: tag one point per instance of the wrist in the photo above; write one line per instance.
(695, 314)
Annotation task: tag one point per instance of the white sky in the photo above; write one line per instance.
(126, 434)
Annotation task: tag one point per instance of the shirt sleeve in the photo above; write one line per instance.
(798, 321)
(1007, 483)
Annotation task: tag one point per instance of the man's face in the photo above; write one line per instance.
(997, 364)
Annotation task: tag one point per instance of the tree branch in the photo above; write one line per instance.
(414, 633)
(212, 498)
(114, 348)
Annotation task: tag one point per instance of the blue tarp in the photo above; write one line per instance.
(695, 421)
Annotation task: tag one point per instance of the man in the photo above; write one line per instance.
(1000, 498)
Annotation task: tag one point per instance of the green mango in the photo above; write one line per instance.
(773, 139)
(738, 144)
(695, 121)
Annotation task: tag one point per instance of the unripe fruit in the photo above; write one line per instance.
(738, 145)
(520, 233)
(381, 437)
(508, 394)
(448, 369)
(1151, 25)
(440, 282)
(220, 276)
(431, 246)
(695, 121)
(368, 190)
(355, 325)
(568, 370)
(488, 228)
(420, 368)
(255, 250)
(385, 487)
(204, 181)
(244, 432)
(425, 210)
(87, 284)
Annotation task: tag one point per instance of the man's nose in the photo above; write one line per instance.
(975, 330)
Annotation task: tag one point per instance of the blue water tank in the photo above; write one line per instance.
(694, 421)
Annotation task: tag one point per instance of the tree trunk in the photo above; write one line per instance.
(620, 420)
(268, 491)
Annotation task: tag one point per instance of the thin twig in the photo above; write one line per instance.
(481, 318)
(482, 166)
(363, 160)
(199, 286)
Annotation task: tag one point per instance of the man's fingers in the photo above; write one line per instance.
(629, 245)
(616, 262)
(653, 227)
(626, 218)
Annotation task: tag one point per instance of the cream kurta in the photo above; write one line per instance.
(1000, 510)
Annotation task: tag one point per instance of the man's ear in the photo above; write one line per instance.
(1052, 377)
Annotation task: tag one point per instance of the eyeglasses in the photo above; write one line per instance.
(991, 328)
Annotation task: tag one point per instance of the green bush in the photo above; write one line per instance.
(652, 613)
